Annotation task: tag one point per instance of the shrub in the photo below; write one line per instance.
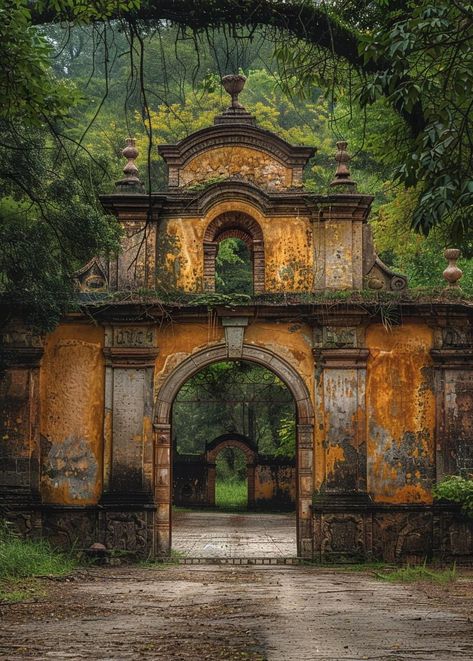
(456, 489)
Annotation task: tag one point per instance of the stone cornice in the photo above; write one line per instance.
(341, 358)
(453, 358)
(191, 203)
(131, 357)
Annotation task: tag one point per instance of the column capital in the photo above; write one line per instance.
(348, 358)
(453, 358)
(130, 356)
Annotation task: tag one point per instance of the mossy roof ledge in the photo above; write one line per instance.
(364, 297)
(189, 203)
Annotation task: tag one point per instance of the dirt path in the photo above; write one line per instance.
(255, 613)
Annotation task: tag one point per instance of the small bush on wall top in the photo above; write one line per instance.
(457, 490)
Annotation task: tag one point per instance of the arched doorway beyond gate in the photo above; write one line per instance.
(304, 439)
(238, 442)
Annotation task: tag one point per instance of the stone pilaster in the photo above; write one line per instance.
(130, 354)
(305, 461)
(340, 364)
(453, 361)
(338, 241)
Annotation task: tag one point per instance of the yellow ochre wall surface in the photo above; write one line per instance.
(288, 249)
(401, 413)
(400, 409)
(72, 393)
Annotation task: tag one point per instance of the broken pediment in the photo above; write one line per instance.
(91, 277)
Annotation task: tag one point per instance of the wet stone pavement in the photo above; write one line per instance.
(234, 535)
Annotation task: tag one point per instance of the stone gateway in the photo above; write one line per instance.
(382, 381)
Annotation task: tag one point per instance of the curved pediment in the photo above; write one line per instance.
(235, 149)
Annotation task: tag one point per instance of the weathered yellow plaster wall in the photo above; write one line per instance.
(223, 162)
(72, 393)
(287, 246)
(273, 482)
(401, 413)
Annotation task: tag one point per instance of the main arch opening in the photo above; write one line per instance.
(186, 434)
(234, 448)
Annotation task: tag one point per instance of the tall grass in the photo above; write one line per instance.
(21, 558)
(231, 494)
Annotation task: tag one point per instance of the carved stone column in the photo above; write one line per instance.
(21, 355)
(163, 489)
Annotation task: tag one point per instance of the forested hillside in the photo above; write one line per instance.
(392, 80)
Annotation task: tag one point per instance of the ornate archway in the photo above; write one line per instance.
(238, 442)
(304, 439)
(236, 225)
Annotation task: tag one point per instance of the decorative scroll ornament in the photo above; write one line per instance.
(452, 273)
(131, 179)
(342, 175)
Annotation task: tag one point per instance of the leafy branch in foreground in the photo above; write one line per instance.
(50, 223)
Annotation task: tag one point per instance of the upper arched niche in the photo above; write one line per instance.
(235, 148)
(237, 225)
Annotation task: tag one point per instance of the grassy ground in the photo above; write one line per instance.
(23, 560)
(415, 573)
(231, 495)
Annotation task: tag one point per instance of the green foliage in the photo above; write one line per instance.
(233, 268)
(458, 490)
(416, 573)
(29, 89)
(287, 437)
(231, 495)
(25, 558)
(234, 397)
(50, 223)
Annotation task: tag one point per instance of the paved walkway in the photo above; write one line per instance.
(234, 535)
(197, 613)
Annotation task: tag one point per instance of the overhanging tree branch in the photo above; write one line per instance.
(305, 20)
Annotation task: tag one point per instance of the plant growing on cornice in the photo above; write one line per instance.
(458, 490)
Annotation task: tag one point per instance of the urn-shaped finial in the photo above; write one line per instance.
(452, 273)
(233, 85)
(342, 175)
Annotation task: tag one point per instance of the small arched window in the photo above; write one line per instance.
(247, 247)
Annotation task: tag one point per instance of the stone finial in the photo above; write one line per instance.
(235, 113)
(131, 178)
(342, 175)
(452, 273)
(233, 85)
